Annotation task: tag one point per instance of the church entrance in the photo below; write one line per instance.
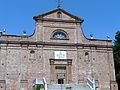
(60, 71)
(60, 81)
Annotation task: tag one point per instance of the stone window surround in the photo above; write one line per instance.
(59, 14)
(61, 31)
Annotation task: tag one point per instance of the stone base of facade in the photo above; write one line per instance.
(113, 85)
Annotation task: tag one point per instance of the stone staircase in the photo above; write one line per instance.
(89, 85)
(67, 87)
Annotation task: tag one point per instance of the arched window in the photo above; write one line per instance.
(59, 15)
(59, 34)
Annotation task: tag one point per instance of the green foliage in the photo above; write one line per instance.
(117, 38)
(118, 76)
(39, 87)
(116, 50)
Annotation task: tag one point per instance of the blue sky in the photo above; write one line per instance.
(102, 17)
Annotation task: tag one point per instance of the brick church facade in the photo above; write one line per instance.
(57, 51)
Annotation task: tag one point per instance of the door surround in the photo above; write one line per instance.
(67, 63)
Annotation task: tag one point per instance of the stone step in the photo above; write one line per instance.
(68, 87)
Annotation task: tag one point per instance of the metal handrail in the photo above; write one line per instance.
(91, 83)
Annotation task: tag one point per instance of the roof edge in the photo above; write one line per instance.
(58, 9)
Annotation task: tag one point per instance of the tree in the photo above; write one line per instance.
(116, 50)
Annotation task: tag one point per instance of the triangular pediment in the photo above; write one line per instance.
(53, 15)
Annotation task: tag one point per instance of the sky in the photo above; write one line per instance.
(101, 17)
